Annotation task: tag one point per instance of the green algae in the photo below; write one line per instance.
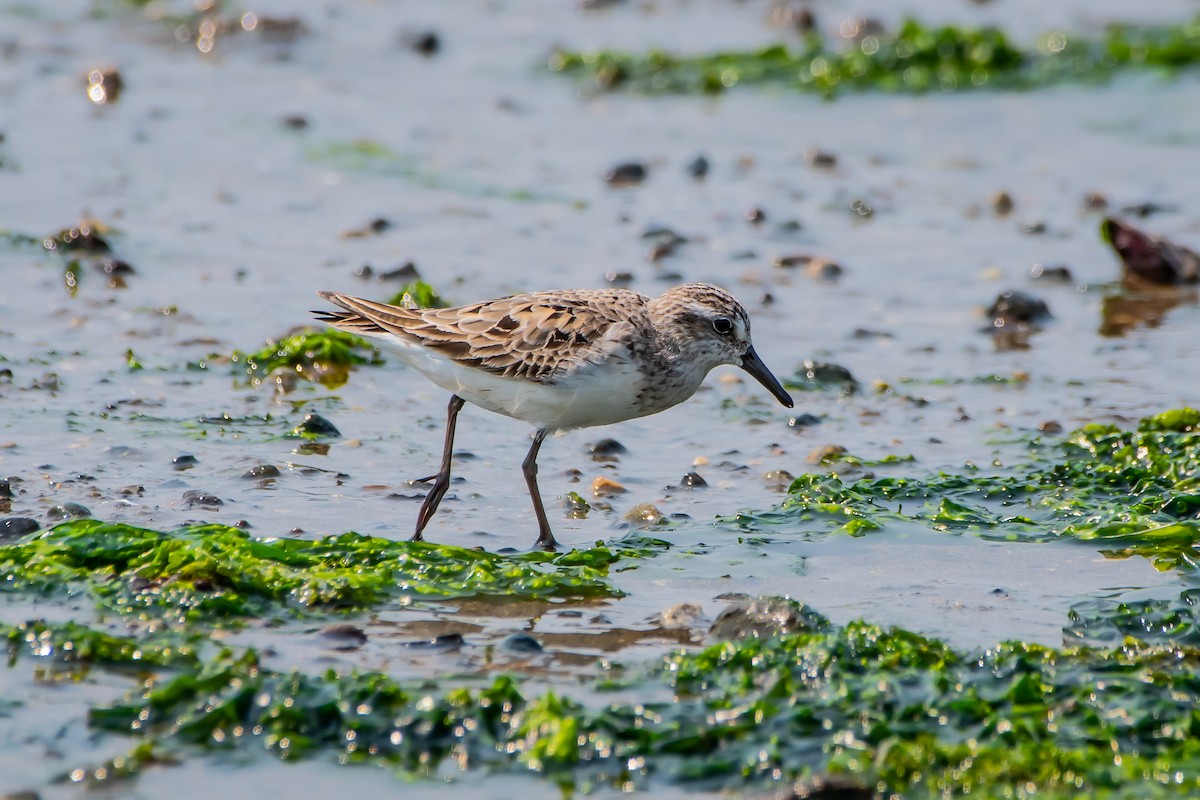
(418, 294)
(1129, 492)
(1105, 622)
(215, 573)
(914, 58)
(896, 712)
(72, 643)
(324, 356)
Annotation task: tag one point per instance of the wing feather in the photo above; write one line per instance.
(538, 337)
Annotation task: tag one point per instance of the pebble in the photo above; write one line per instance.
(630, 173)
(15, 527)
(778, 479)
(199, 497)
(692, 480)
(68, 511)
(316, 425)
(261, 471)
(606, 487)
(698, 167)
(522, 643)
(683, 615)
(645, 515)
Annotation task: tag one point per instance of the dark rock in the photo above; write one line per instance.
(426, 43)
(803, 421)
(692, 480)
(630, 173)
(817, 376)
(831, 787)
(756, 216)
(405, 272)
(295, 122)
(199, 497)
(16, 527)
(262, 471)
(5, 490)
(605, 449)
(821, 159)
(1147, 258)
(698, 167)
(316, 425)
(449, 641)
(344, 635)
(522, 643)
(1059, 274)
(114, 266)
(1143, 210)
(66, 511)
(1017, 306)
(765, 617)
(184, 462)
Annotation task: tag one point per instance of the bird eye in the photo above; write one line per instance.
(723, 325)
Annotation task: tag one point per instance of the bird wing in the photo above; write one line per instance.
(540, 336)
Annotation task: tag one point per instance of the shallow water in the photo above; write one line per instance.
(489, 169)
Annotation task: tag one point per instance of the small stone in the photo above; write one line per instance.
(698, 167)
(825, 454)
(426, 43)
(198, 497)
(630, 173)
(803, 421)
(1050, 427)
(5, 490)
(692, 480)
(1034, 228)
(184, 462)
(821, 159)
(133, 490)
(16, 527)
(1040, 272)
(68, 511)
(522, 643)
(644, 515)
(316, 425)
(295, 122)
(261, 471)
(104, 85)
(405, 272)
(344, 635)
(778, 480)
(756, 216)
(683, 615)
(828, 787)
(1095, 201)
(448, 641)
(606, 487)
(1002, 204)
(764, 618)
(1016, 306)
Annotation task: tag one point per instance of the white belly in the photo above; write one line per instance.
(596, 395)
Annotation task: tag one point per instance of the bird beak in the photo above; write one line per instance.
(755, 366)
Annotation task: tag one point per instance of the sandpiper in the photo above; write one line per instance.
(562, 359)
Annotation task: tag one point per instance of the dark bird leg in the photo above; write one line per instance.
(441, 481)
(545, 540)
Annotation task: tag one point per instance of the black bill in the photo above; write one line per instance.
(755, 366)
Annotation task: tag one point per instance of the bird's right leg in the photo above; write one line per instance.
(441, 482)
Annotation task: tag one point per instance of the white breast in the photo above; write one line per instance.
(593, 395)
